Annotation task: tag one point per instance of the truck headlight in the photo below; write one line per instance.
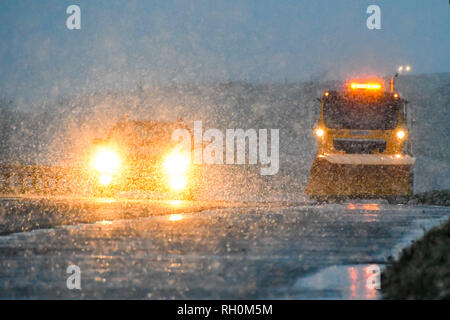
(400, 134)
(319, 132)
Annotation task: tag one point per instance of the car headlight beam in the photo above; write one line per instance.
(176, 163)
(106, 161)
(177, 182)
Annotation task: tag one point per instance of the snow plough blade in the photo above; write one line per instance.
(361, 175)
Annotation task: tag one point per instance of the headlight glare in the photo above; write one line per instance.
(177, 182)
(319, 132)
(106, 161)
(176, 163)
(400, 134)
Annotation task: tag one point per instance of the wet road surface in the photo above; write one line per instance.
(207, 250)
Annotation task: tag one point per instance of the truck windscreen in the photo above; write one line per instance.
(342, 113)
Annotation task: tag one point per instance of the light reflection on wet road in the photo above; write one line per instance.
(240, 251)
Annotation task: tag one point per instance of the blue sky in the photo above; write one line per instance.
(122, 43)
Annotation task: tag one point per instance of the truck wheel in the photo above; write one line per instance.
(411, 181)
(328, 199)
(397, 199)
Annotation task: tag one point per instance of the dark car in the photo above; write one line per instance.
(140, 155)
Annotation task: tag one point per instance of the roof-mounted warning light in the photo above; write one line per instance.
(366, 86)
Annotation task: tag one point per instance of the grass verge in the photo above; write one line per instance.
(423, 269)
(435, 197)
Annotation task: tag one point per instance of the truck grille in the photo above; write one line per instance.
(360, 146)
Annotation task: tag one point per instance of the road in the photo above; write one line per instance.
(202, 250)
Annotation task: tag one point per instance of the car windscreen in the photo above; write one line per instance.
(137, 134)
(358, 113)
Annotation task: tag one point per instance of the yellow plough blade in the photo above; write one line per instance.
(361, 175)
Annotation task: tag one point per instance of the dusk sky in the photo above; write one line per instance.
(122, 43)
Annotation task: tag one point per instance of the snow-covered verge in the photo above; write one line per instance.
(422, 270)
(435, 197)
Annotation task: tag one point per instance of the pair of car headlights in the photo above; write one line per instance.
(107, 163)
